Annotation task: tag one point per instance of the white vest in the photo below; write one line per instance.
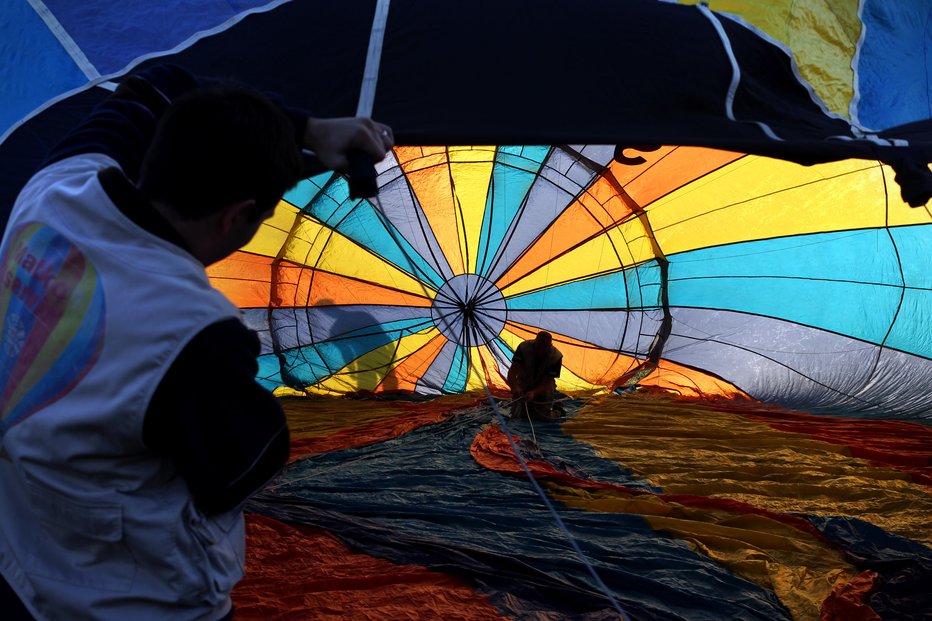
(94, 310)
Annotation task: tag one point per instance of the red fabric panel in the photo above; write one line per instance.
(846, 603)
(902, 445)
(410, 417)
(296, 573)
(492, 450)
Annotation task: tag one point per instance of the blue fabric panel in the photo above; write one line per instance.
(35, 65)
(306, 365)
(269, 375)
(910, 332)
(503, 347)
(848, 282)
(361, 222)
(912, 245)
(306, 189)
(905, 566)
(459, 372)
(513, 173)
(112, 33)
(632, 288)
(895, 64)
(439, 370)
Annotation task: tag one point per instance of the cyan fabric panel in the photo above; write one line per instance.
(847, 282)
(512, 176)
(360, 221)
(632, 288)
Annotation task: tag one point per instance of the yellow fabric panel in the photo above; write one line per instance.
(317, 246)
(367, 371)
(287, 391)
(798, 567)
(900, 212)
(690, 448)
(822, 34)
(667, 169)
(470, 172)
(483, 370)
(428, 173)
(599, 207)
(757, 197)
(623, 246)
(316, 418)
(406, 374)
(273, 233)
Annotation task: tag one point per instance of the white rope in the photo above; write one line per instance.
(370, 75)
(735, 73)
(551, 508)
(59, 32)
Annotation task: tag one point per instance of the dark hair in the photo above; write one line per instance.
(218, 145)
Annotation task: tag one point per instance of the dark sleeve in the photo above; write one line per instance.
(123, 125)
(519, 354)
(224, 432)
(555, 367)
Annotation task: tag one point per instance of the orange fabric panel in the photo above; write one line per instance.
(690, 383)
(428, 172)
(667, 169)
(406, 374)
(303, 286)
(244, 278)
(598, 208)
(295, 572)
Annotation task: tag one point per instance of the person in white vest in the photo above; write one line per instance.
(132, 427)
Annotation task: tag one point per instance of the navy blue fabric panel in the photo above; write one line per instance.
(614, 78)
(312, 54)
(904, 566)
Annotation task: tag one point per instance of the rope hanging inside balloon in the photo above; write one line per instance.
(547, 502)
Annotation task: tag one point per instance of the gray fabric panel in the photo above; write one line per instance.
(628, 332)
(800, 367)
(431, 383)
(297, 327)
(561, 179)
(258, 319)
(601, 154)
(397, 203)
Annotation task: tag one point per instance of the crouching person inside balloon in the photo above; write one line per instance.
(532, 378)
